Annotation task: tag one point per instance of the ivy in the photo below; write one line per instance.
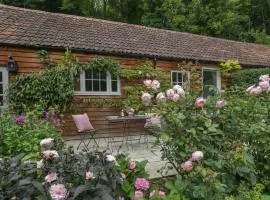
(108, 103)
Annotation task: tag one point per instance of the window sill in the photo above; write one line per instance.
(97, 94)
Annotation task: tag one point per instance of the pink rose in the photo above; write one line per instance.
(152, 194)
(180, 91)
(51, 177)
(58, 192)
(137, 195)
(200, 102)
(146, 98)
(161, 97)
(175, 97)
(141, 184)
(89, 175)
(49, 154)
(170, 93)
(187, 166)
(220, 104)
(147, 83)
(161, 194)
(197, 156)
(264, 78)
(155, 84)
(264, 85)
(132, 165)
(255, 91)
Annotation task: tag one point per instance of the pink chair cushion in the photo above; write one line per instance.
(82, 122)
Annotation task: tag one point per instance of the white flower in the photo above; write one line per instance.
(40, 164)
(147, 83)
(146, 98)
(176, 87)
(197, 155)
(110, 158)
(220, 104)
(170, 93)
(175, 97)
(89, 175)
(264, 85)
(51, 177)
(155, 84)
(161, 97)
(58, 192)
(180, 91)
(250, 88)
(264, 78)
(46, 143)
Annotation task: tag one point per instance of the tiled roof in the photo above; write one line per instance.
(24, 27)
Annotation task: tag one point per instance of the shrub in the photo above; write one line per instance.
(22, 134)
(247, 77)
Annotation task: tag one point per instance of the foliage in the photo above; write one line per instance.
(24, 136)
(247, 77)
(226, 68)
(129, 176)
(16, 179)
(53, 87)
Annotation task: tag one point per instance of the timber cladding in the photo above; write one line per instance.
(28, 62)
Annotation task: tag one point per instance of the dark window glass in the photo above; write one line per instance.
(77, 84)
(1, 76)
(103, 86)
(88, 74)
(209, 82)
(103, 75)
(174, 77)
(96, 74)
(96, 85)
(88, 85)
(114, 86)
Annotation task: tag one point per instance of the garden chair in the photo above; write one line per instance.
(85, 130)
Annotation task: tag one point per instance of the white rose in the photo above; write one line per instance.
(197, 155)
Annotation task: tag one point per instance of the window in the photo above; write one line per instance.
(211, 81)
(180, 78)
(94, 82)
(3, 85)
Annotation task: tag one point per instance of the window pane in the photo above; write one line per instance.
(103, 86)
(114, 86)
(174, 76)
(209, 82)
(1, 101)
(96, 85)
(88, 85)
(114, 78)
(185, 77)
(103, 75)
(88, 74)
(209, 77)
(96, 74)
(1, 88)
(77, 84)
(1, 76)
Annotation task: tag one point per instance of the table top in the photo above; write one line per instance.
(129, 117)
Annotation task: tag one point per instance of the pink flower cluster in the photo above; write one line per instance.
(132, 165)
(20, 120)
(58, 192)
(142, 184)
(51, 177)
(153, 122)
(188, 165)
(200, 102)
(50, 154)
(146, 98)
(175, 93)
(156, 193)
(155, 84)
(262, 86)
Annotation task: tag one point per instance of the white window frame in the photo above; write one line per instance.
(218, 77)
(183, 83)
(109, 86)
(5, 84)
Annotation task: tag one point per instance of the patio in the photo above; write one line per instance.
(137, 150)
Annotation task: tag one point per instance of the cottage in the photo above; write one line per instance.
(24, 31)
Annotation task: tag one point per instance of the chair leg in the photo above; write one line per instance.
(83, 141)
